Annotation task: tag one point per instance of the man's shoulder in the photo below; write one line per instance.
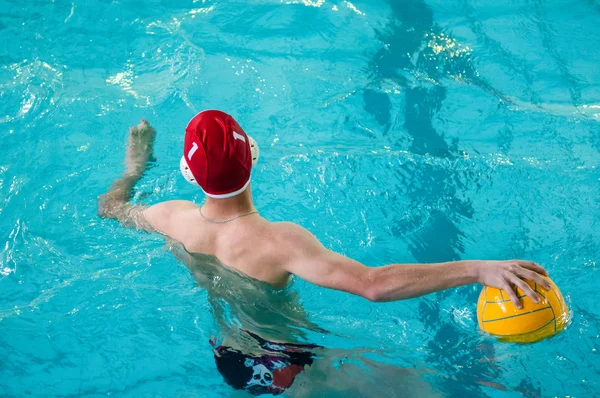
(291, 234)
(164, 216)
(171, 207)
(286, 229)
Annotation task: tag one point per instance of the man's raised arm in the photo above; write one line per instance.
(309, 260)
(115, 203)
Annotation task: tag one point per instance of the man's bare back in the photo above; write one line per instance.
(251, 244)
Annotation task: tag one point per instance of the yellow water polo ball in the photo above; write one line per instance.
(498, 316)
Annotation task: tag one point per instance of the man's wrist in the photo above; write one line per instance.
(473, 270)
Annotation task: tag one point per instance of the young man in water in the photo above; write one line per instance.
(218, 157)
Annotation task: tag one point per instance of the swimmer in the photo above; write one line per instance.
(218, 157)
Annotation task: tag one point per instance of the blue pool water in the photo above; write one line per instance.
(396, 131)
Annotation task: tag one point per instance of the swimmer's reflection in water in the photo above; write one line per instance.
(218, 157)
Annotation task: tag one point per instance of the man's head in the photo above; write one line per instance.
(218, 155)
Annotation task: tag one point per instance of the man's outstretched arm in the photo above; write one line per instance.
(308, 259)
(115, 203)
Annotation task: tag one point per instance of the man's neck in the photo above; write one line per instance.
(230, 207)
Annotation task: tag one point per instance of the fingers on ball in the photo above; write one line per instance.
(512, 295)
(521, 284)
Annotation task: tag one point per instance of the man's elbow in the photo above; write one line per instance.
(103, 212)
(372, 295)
(371, 288)
(375, 295)
(106, 208)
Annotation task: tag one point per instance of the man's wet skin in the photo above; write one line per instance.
(218, 157)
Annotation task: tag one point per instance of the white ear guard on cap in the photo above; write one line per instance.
(186, 172)
(189, 177)
(254, 152)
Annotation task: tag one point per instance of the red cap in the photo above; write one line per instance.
(216, 154)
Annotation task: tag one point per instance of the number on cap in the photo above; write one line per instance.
(239, 136)
(192, 151)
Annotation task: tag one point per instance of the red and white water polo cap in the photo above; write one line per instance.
(217, 155)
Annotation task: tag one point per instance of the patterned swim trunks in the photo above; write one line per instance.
(271, 373)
